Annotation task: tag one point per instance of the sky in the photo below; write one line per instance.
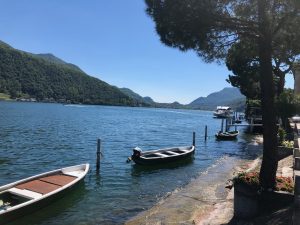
(114, 41)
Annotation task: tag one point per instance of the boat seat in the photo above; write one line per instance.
(173, 153)
(59, 179)
(74, 173)
(160, 154)
(183, 150)
(38, 186)
(25, 193)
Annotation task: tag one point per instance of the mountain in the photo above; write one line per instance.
(149, 101)
(53, 59)
(132, 94)
(228, 96)
(48, 78)
(146, 100)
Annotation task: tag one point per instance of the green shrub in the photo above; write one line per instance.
(288, 144)
(281, 135)
(252, 180)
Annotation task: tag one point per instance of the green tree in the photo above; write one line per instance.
(211, 27)
(288, 104)
(242, 59)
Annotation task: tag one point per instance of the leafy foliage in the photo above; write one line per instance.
(288, 144)
(251, 179)
(288, 104)
(242, 60)
(25, 74)
(53, 59)
(281, 135)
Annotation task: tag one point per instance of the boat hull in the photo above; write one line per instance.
(221, 116)
(143, 161)
(28, 209)
(221, 136)
(35, 202)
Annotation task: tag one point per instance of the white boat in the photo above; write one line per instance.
(223, 112)
(25, 196)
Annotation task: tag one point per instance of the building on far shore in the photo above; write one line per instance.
(296, 72)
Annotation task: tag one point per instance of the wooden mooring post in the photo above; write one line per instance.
(205, 135)
(194, 138)
(226, 124)
(251, 125)
(98, 155)
(222, 124)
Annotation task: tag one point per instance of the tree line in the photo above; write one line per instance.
(22, 74)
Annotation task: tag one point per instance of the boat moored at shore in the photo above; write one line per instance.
(25, 196)
(228, 135)
(162, 155)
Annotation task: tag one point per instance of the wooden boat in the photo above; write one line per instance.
(161, 155)
(238, 121)
(25, 196)
(229, 135)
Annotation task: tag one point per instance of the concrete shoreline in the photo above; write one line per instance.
(205, 200)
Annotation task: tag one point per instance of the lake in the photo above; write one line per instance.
(37, 137)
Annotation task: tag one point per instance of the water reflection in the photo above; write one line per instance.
(138, 170)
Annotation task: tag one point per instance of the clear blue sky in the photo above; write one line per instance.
(113, 40)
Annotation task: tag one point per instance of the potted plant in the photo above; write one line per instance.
(246, 192)
(248, 200)
(285, 147)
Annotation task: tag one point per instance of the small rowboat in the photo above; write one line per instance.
(162, 155)
(25, 196)
(229, 135)
(238, 121)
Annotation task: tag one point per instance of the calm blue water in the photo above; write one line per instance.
(35, 138)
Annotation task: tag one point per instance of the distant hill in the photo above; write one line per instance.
(146, 100)
(53, 59)
(133, 95)
(228, 96)
(45, 77)
(173, 105)
(150, 102)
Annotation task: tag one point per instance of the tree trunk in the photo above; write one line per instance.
(269, 162)
(281, 81)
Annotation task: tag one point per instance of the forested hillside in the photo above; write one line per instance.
(46, 79)
(228, 96)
